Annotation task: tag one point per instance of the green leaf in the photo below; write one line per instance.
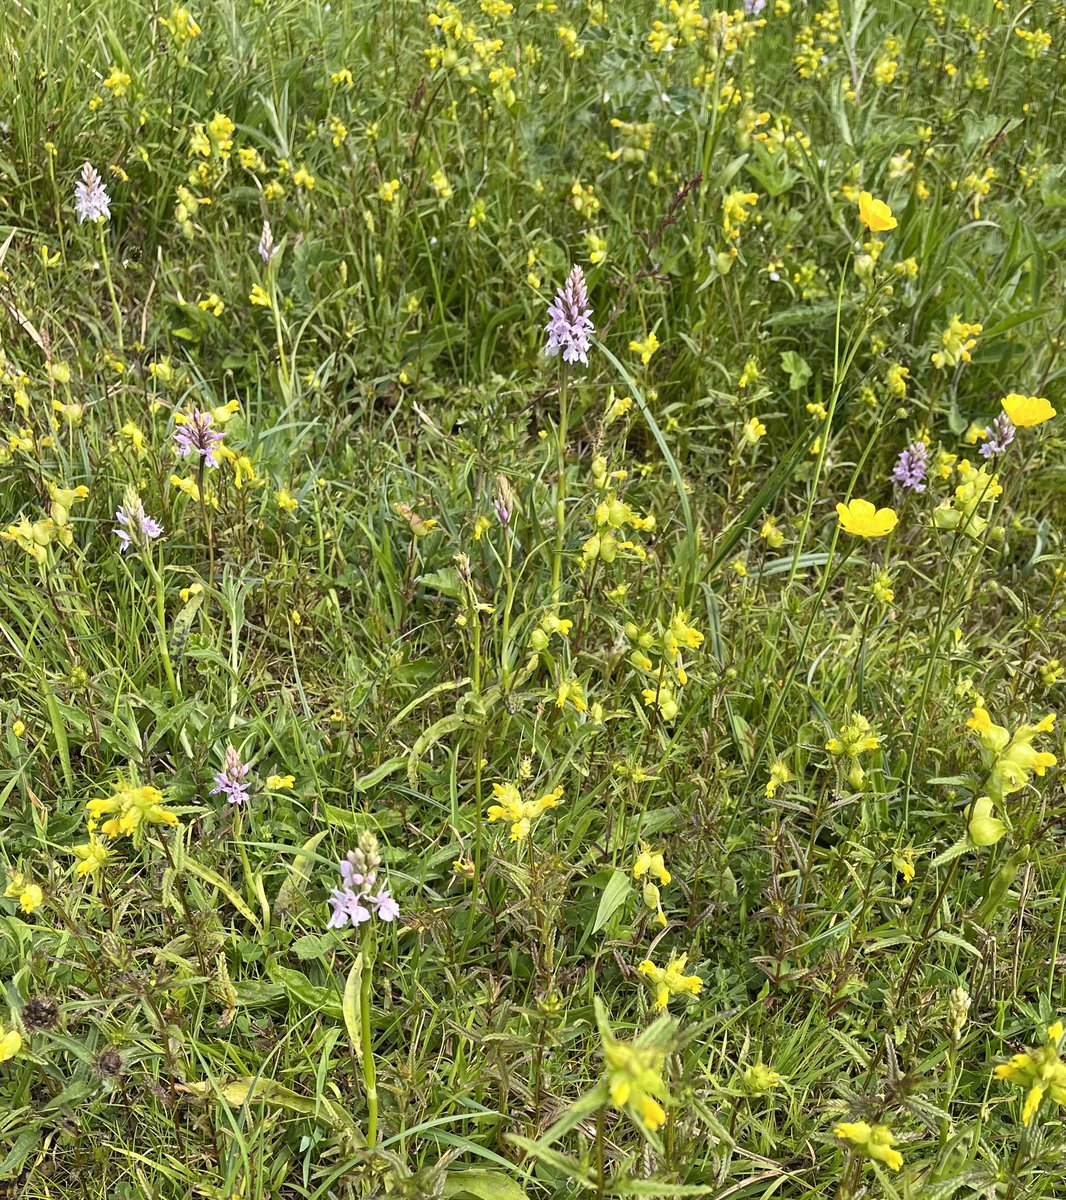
(350, 1005)
(302, 991)
(482, 1185)
(216, 881)
(614, 896)
(380, 772)
(797, 367)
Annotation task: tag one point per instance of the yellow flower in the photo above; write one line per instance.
(875, 1141)
(302, 177)
(212, 303)
(646, 348)
(1027, 411)
(287, 502)
(277, 783)
(1012, 760)
(94, 855)
(133, 808)
(863, 520)
(10, 1043)
(651, 862)
(779, 776)
(29, 894)
(956, 342)
(652, 900)
(671, 980)
(904, 864)
(635, 1070)
(875, 214)
(117, 82)
(521, 813)
(259, 296)
(1042, 1071)
(752, 431)
(388, 191)
(856, 738)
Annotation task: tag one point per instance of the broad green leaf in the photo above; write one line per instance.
(482, 1185)
(613, 897)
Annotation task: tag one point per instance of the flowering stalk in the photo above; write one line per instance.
(569, 329)
(560, 489)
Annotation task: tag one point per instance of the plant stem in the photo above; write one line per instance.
(560, 488)
(110, 285)
(161, 621)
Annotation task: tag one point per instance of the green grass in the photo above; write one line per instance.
(344, 604)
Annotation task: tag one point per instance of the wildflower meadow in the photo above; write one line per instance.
(531, 626)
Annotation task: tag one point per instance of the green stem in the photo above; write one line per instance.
(560, 488)
(110, 284)
(161, 621)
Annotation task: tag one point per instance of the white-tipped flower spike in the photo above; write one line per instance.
(267, 249)
(91, 201)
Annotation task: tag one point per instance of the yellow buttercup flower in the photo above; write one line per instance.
(874, 1141)
(875, 214)
(862, 519)
(1027, 411)
(671, 980)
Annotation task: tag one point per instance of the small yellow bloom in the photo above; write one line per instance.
(875, 1141)
(671, 980)
(93, 854)
(861, 519)
(752, 431)
(875, 214)
(651, 862)
(645, 348)
(259, 296)
(521, 813)
(277, 783)
(286, 501)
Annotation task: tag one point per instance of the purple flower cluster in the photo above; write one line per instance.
(570, 322)
(999, 436)
(135, 526)
(360, 895)
(91, 201)
(231, 779)
(911, 467)
(193, 435)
